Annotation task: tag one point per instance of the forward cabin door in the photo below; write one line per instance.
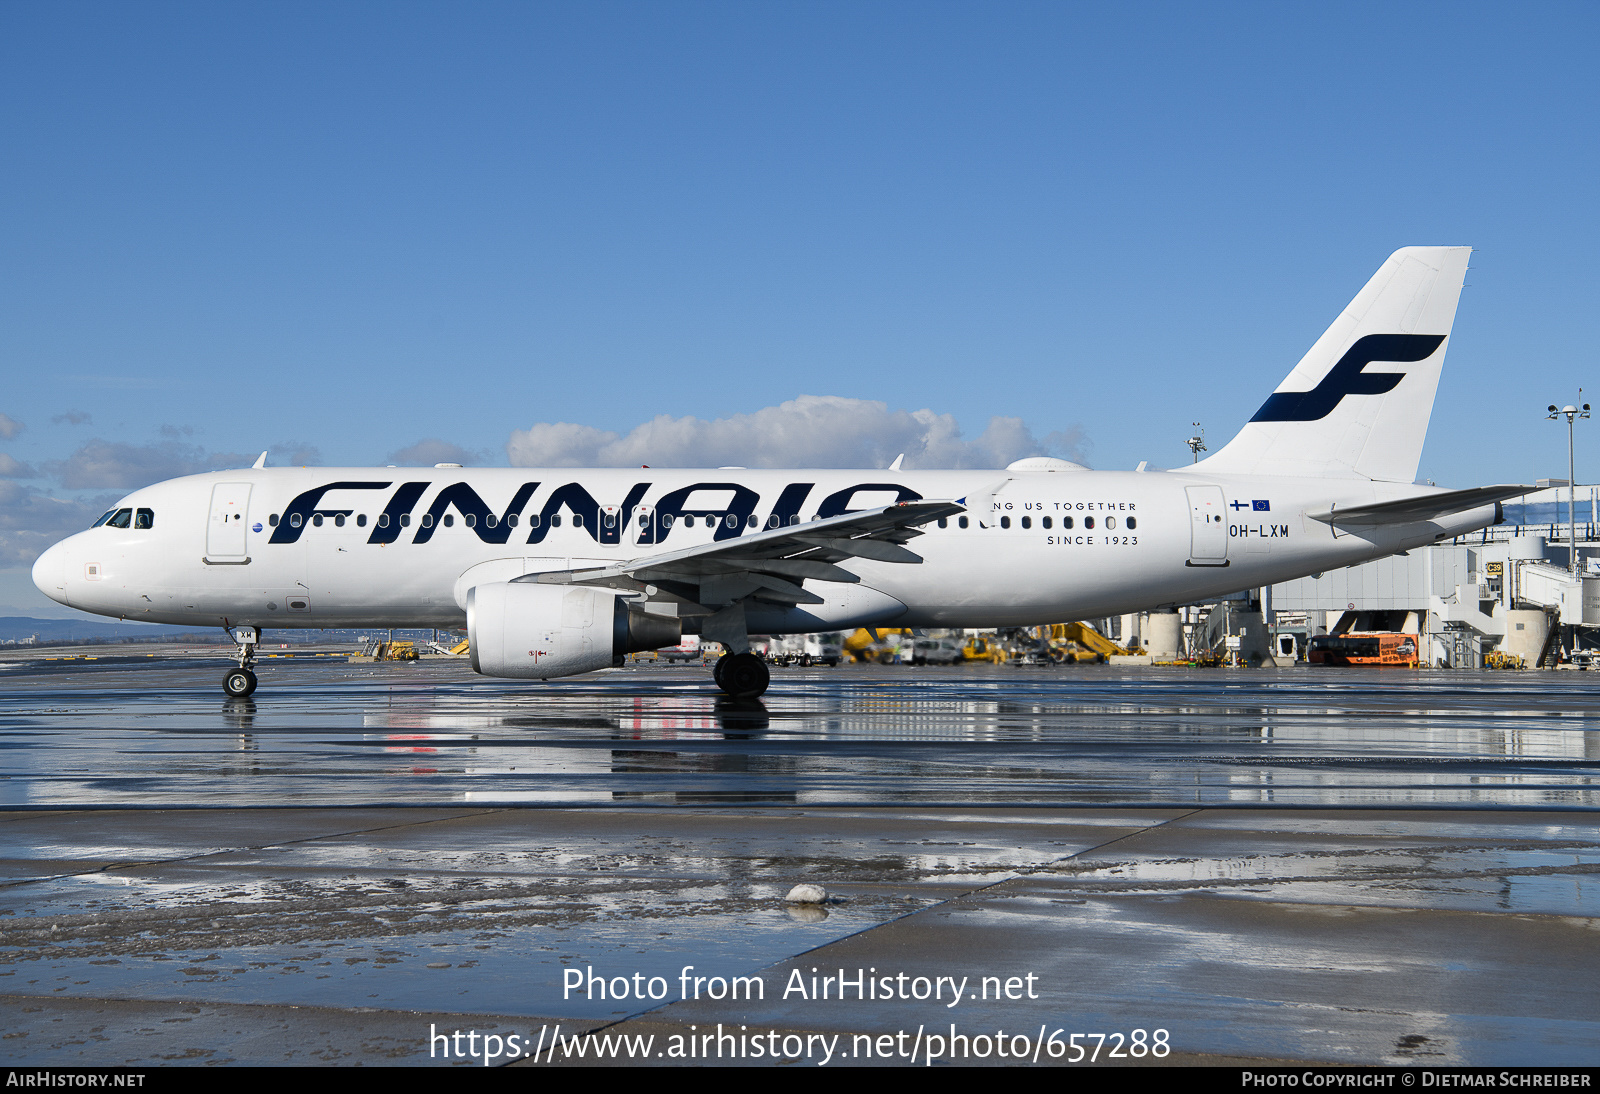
(1208, 526)
(228, 523)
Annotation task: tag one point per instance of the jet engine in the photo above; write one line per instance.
(530, 631)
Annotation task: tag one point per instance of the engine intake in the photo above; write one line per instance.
(527, 631)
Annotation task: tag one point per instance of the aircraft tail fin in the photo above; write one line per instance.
(1359, 401)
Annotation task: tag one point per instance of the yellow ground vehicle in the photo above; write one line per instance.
(1072, 642)
(984, 648)
(868, 645)
(396, 651)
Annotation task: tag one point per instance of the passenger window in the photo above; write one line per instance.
(488, 521)
(666, 520)
(1132, 524)
(383, 520)
(1066, 522)
(731, 520)
(316, 519)
(405, 520)
(795, 519)
(688, 522)
(644, 521)
(555, 521)
(427, 520)
(272, 521)
(753, 521)
(511, 521)
(577, 520)
(294, 520)
(1027, 522)
(944, 522)
(610, 520)
(338, 520)
(361, 520)
(449, 521)
(1046, 522)
(772, 521)
(533, 520)
(1005, 522)
(1111, 522)
(120, 518)
(962, 521)
(1088, 522)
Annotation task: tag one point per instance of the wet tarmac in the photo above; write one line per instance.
(140, 732)
(1292, 865)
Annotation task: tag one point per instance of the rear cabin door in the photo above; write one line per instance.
(1208, 526)
(228, 523)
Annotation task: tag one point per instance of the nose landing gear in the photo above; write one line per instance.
(241, 681)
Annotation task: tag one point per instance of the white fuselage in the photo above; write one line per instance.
(1052, 546)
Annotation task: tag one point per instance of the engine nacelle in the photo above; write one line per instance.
(529, 631)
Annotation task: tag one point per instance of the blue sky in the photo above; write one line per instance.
(336, 231)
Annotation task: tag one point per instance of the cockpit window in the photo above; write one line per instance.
(120, 519)
(144, 518)
(109, 513)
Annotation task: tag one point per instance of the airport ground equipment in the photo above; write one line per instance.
(871, 645)
(1369, 648)
(984, 647)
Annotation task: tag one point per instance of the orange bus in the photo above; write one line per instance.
(1365, 648)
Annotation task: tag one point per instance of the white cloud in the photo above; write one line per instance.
(9, 427)
(426, 453)
(292, 454)
(13, 468)
(31, 521)
(809, 431)
(113, 465)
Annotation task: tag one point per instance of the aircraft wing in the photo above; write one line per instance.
(1426, 507)
(768, 565)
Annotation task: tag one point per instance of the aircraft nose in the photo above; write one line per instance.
(50, 573)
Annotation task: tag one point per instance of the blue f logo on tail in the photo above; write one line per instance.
(1346, 377)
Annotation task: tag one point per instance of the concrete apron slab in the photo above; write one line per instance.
(223, 920)
(350, 935)
(1336, 937)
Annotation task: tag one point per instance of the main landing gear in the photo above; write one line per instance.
(242, 681)
(741, 675)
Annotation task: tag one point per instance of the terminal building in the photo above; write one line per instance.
(1529, 588)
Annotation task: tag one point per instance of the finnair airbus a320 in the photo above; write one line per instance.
(558, 572)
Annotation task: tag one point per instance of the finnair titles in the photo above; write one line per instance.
(559, 572)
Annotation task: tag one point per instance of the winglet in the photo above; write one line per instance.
(982, 504)
(261, 460)
(895, 466)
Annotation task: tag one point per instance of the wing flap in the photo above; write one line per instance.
(768, 565)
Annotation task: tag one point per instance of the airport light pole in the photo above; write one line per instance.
(1572, 413)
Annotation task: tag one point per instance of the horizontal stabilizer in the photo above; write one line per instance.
(1424, 507)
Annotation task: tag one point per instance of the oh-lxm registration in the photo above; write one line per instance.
(864, 984)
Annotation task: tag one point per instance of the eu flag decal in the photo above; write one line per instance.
(1261, 506)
